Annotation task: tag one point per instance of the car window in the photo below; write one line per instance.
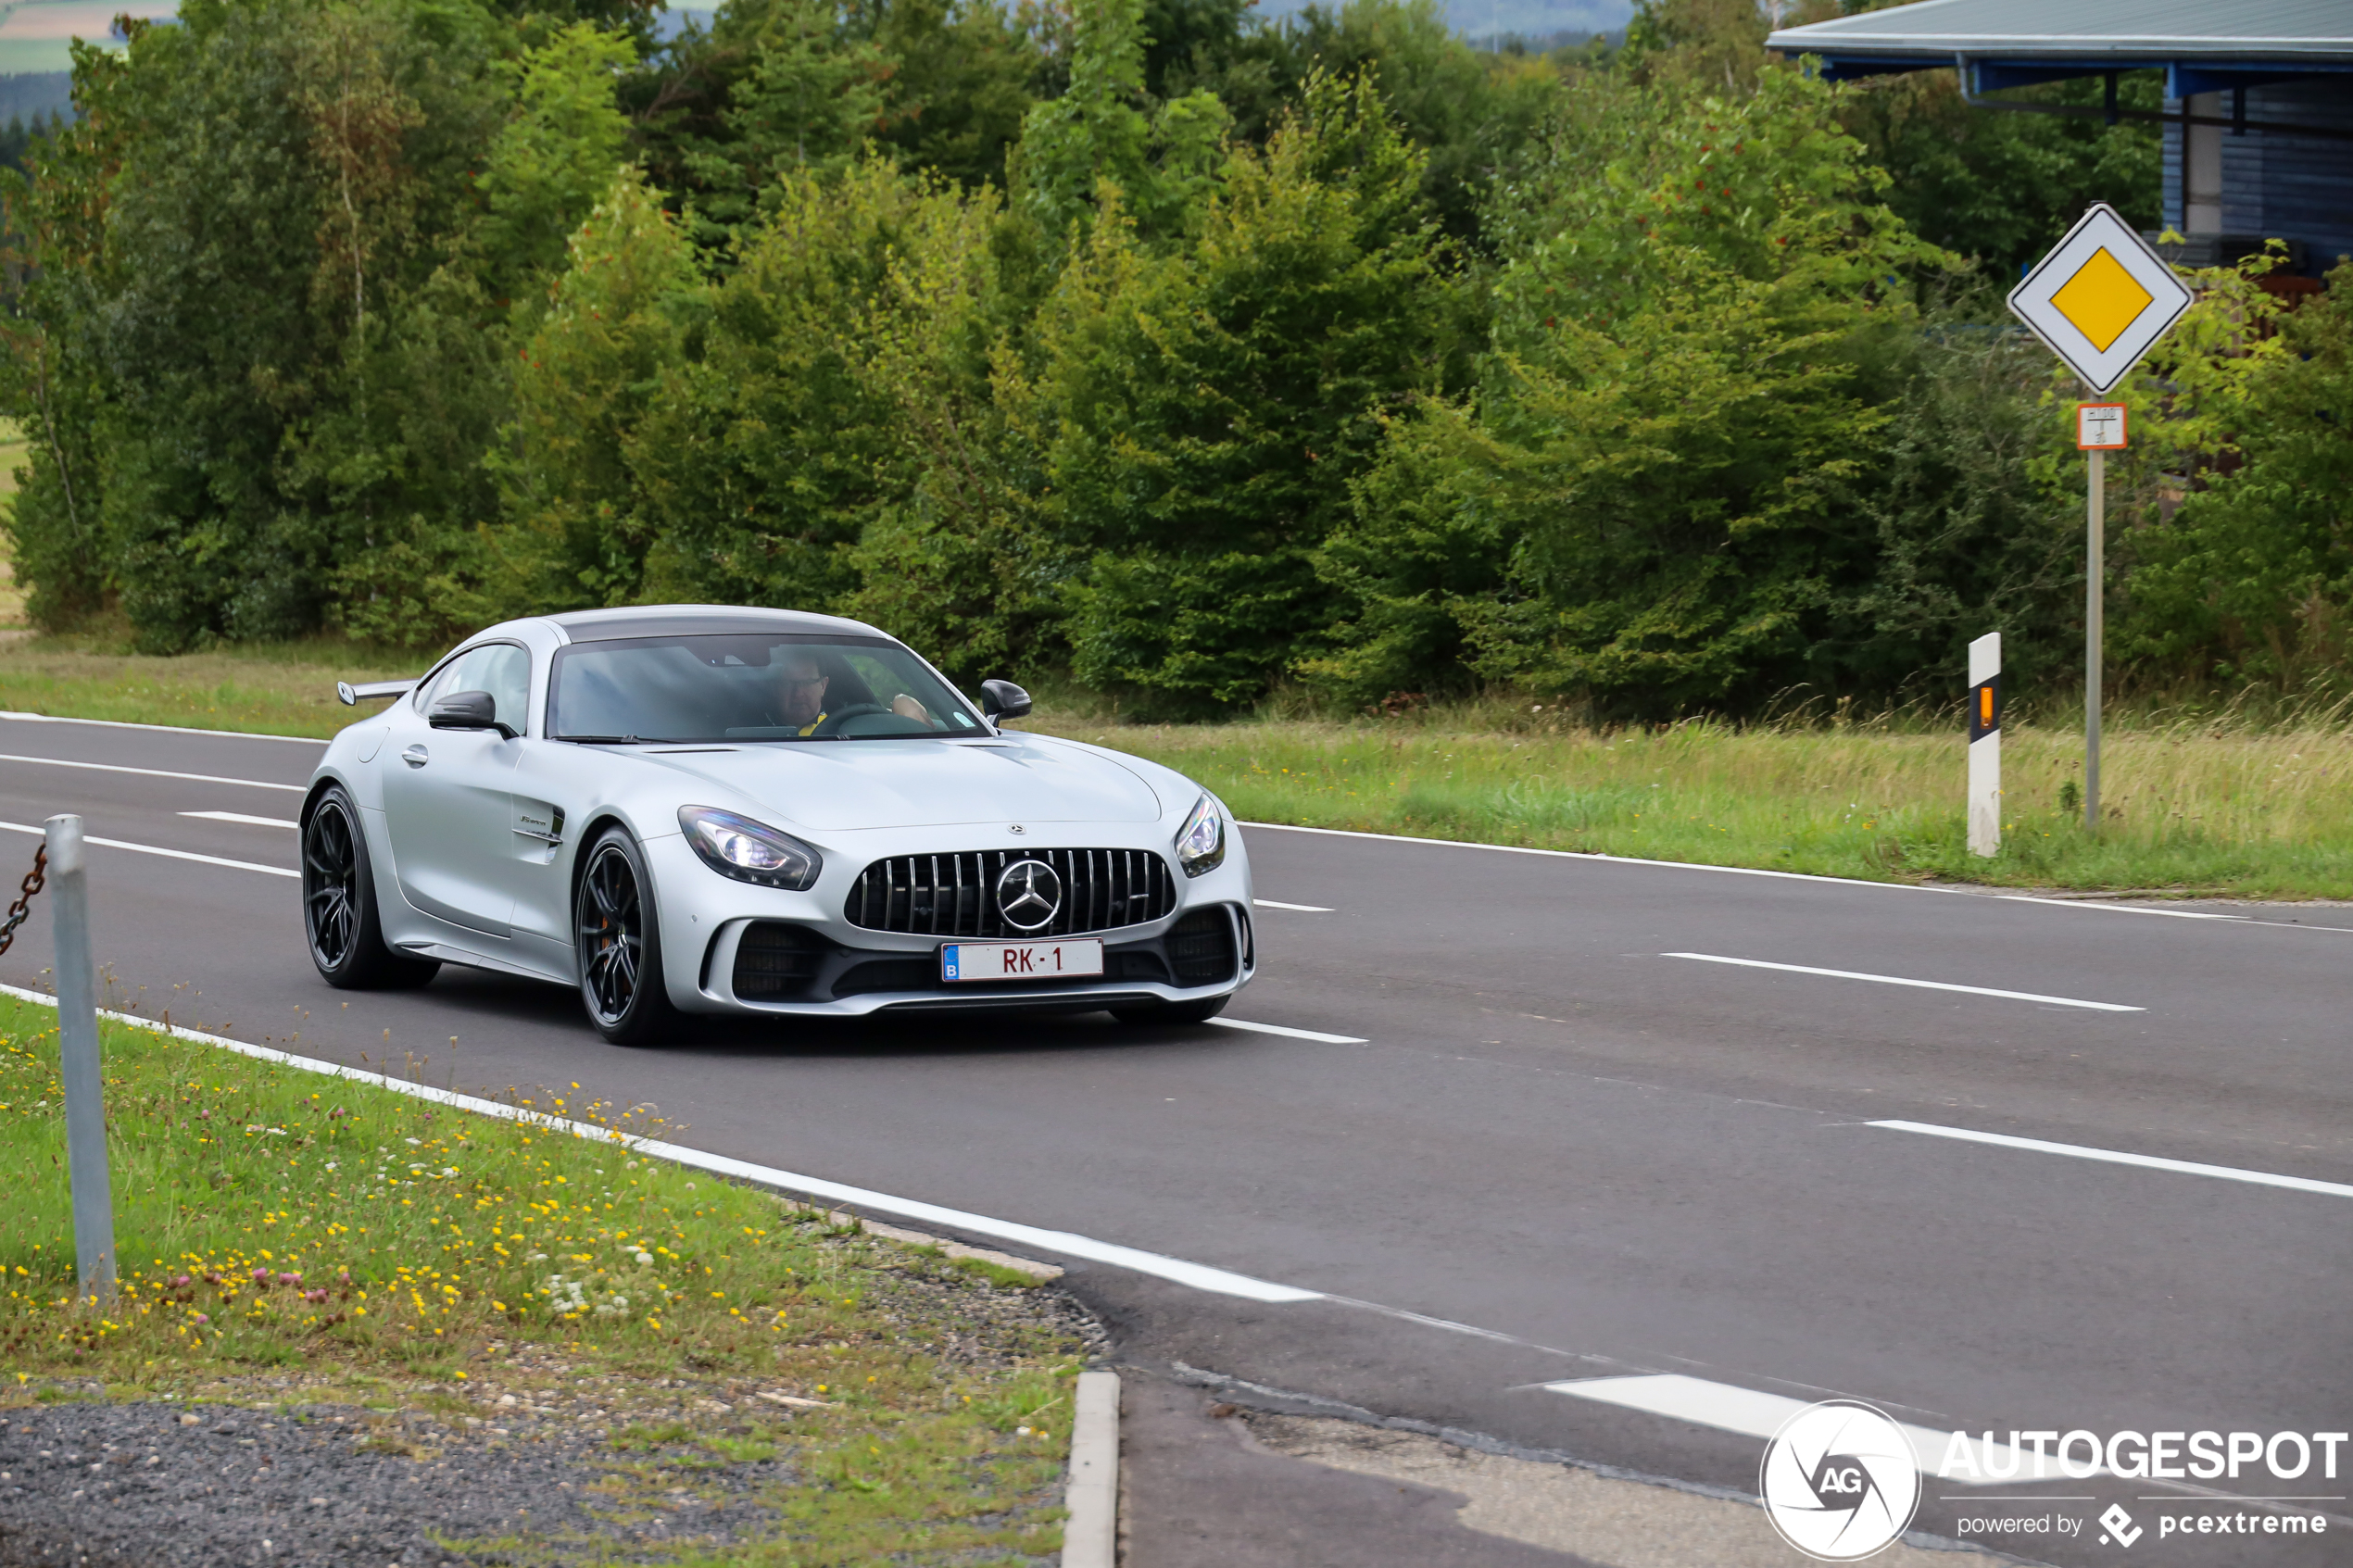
(750, 687)
(500, 669)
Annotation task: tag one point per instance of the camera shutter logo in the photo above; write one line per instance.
(1029, 895)
(1840, 1481)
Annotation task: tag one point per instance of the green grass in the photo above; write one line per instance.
(2222, 805)
(2214, 806)
(268, 1219)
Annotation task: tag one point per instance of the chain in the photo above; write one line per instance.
(22, 907)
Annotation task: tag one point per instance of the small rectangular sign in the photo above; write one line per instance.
(1077, 958)
(2099, 427)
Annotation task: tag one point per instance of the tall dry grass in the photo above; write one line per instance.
(2217, 803)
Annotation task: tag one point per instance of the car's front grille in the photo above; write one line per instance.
(1202, 946)
(956, 895)
(773, 959)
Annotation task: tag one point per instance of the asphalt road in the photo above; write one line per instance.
(1548, 1153)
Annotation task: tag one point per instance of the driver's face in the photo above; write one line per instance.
(804, 691)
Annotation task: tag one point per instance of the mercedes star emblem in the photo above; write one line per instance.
(1028, 894)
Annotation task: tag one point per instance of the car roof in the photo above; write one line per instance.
(687, 620)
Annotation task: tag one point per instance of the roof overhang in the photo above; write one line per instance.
(2202, 47)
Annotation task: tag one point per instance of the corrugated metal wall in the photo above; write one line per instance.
(2278, 185)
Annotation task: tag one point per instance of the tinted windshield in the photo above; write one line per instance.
(771, 686)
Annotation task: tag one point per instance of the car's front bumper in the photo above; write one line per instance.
(762, 966)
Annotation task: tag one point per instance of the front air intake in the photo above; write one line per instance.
(957, 895)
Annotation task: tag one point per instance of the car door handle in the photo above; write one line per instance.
(415, 756)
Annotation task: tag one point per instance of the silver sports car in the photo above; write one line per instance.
(702, 810)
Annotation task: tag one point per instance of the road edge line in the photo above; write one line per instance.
(1178, 1271)
(23, 717)
(1090, 1536)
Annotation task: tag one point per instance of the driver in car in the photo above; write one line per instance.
(803, 681)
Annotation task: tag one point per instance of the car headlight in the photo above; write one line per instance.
(749, 852)
(1201, 847)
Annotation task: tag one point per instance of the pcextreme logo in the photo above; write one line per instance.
(1840, 1481)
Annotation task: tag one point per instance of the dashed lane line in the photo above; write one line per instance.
(151, 773)
(158, 849)
(1316, 1034)
(1949, 1456)
(1299, 908)
(2118, 1157)
(1900, 980)
(247, 821)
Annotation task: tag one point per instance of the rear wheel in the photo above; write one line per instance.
(619, 944)
(1174, 1012)
(339, 904)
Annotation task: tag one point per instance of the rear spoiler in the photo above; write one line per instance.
(352, 694)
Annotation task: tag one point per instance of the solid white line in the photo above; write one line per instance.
(2113, 908)
(1293, 1033)
(169, 729)
(2116, 1157)
(1754, 1415)
(1199, 1275)
(1899, 980)
(150, 772)
(1588, 855)
(240, 817)
(155, 849)
(1303, 909)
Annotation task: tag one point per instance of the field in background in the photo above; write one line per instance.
(2220, 807)
(2224, 806)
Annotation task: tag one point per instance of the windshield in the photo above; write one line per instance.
(767, 686)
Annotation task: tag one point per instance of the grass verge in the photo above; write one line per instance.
(400, 1254)
(2220, 806)
(2217, 806)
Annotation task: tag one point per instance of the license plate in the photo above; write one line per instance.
(1021, 960)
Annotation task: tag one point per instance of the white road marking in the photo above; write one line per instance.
(1293, 1033)
(240, 817)
(2114, 908)
(168, 729)
(1199, 1275)
(1587, 855)
(1303, 909)
(1751, 1413)
(1899, 980)
(158, 849)
(151, 773)
(2118, 1157)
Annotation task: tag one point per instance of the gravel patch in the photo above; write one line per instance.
(518, 1465)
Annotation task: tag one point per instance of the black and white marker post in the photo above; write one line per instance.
(1985, 745)
(77, 1061)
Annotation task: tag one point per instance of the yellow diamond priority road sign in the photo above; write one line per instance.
(2101, 299)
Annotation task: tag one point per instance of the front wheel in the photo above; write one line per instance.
(1174, 1012)
(620, 945)
(339, 904)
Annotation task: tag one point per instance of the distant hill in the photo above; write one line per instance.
(1533, 20)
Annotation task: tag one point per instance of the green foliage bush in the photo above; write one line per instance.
(1196, 358)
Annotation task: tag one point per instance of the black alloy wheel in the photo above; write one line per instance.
(618, 944)
(339, 903)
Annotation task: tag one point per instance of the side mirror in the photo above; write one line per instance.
(1002, 699)
(468, 710)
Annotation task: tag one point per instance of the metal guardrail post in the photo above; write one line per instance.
(78, 1055)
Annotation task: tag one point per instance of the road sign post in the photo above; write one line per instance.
(2100, 300)
(77, 1064)
(1985, 745)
